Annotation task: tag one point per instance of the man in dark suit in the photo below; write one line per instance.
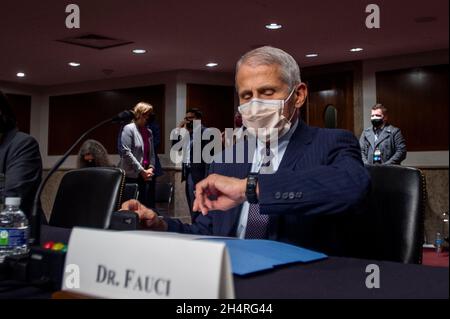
(382, 143)
(20, 160)
(303, 193)
(192, 171)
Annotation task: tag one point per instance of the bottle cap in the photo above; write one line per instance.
(13, 201)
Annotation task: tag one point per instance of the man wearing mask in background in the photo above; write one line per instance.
(191, 172)
(382, 143)
(311, 181)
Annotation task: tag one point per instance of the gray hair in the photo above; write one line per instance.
(97, 150)
(267, 55)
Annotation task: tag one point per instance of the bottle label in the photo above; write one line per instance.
(13, 237)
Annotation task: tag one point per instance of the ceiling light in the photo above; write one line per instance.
(356, 49)
(312, 55)
(212, 64)
(74, 64)
(20, 74)
(273, 26)
(139, 51)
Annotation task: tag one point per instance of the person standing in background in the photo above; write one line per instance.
(382, 143)
(192, 172)
(137, 155)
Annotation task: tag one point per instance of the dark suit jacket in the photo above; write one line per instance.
(20, 161)
(311, 199)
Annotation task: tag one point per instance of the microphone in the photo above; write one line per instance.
(35, 218)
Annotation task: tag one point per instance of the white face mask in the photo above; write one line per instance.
(268, 114)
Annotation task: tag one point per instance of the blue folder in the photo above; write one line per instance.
(253, 255)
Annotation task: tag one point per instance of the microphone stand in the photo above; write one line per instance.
(35, 222)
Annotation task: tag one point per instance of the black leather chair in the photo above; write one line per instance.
(87, 197)
(392, 226)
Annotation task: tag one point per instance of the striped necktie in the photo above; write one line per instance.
(257, 224)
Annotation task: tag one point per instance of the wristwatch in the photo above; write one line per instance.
(250, 191)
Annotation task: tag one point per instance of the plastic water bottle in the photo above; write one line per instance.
(438, 243)
(13, 229)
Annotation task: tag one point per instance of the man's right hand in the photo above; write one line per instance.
(147, 217)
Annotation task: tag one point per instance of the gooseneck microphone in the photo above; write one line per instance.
(35, 220)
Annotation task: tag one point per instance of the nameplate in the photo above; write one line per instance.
(111, 264)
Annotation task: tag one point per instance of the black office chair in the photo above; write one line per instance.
(163, 197)
(87, 197)
(393, 225)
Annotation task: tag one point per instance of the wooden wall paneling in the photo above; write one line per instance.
(70, 115)
(21, 106)
(216, 103)
(335, 89)
(417, 100)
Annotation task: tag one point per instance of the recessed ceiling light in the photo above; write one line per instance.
(212, 64)
(20, 74)
(356, 49)
(273, 26)
(312, 55)
(74, 64)
(139, 51)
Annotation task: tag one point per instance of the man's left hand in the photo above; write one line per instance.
(217, 192)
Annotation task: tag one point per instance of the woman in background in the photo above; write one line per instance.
(93, 154)
(137, 155)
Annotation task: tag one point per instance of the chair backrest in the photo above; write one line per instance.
(87, 197)
(130, 191)
(393, 227)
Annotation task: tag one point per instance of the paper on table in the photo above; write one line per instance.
(249, 256)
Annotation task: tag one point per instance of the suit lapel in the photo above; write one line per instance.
(370, 136)
(297, 146)
(384, 135)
